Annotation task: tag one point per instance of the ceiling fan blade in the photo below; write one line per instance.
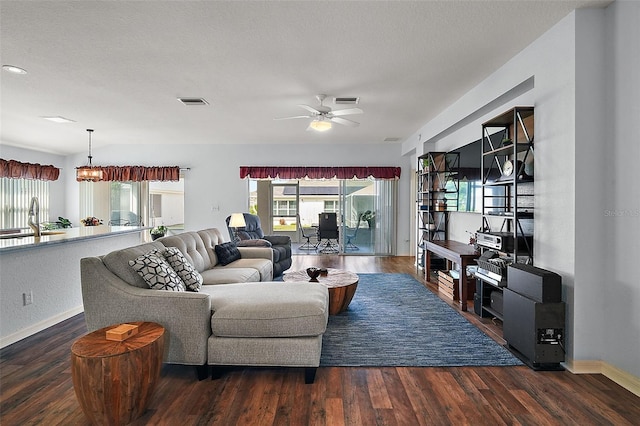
(310, 109)
(344, 121)
(347, 111)
(297, 116)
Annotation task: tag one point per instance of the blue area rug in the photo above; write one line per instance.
(393, 320)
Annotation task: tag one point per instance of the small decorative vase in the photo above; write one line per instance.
(313, 274)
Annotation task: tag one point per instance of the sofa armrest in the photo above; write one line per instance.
(253, 243)
(256, 253)
(278, 240)
(186, 316)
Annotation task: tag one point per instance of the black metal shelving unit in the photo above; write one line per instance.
(437, 195)
(507, 195)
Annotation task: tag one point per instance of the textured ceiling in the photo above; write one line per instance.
(118, 66)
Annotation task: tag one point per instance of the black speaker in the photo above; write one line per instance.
(534, 329)
(535, 283)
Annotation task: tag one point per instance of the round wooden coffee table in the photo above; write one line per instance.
(114, 380)
(342, 286)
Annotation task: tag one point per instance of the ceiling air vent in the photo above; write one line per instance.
(346, 101)
(391, 139)
(193, 101)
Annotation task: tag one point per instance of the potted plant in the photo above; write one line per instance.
(158, 231)
(63, 222)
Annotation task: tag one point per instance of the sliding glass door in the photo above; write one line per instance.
(368, 216)
(284, 209)
(358, 207)
(365, 209)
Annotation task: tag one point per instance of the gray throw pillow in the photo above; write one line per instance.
(157, 273)
(185, 270)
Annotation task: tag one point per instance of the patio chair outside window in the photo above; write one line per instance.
(351, 236)
(307, 244)
(328, 232)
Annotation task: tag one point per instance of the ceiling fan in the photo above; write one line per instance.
(322, 116)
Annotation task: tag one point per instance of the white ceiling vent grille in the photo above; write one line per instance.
(391, 139)
(346, 101)
(193, 101)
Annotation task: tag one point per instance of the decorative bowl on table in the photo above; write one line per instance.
(313, 274)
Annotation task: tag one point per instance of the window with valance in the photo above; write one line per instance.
(18, 170)
(301, 172)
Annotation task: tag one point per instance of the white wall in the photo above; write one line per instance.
(619, 291)
(586, 94)
(590, 168)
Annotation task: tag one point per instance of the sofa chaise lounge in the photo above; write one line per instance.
(239, 316)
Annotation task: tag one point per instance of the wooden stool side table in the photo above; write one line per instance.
(342, 286)
(114, 380)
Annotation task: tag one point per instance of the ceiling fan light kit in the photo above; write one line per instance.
(323, 116)
(320, 125)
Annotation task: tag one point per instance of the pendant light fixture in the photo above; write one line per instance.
(89, 173)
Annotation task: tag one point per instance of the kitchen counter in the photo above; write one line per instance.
(40, 277)
(24, 241)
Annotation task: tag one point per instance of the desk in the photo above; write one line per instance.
(454, 251)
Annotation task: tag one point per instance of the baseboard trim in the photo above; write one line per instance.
(621, 377)
(35, 328)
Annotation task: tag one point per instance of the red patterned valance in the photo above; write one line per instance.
(138, 173)
(18, 170)
(287, 172)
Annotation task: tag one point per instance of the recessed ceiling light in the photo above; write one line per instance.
(13, 69)
(58, 119)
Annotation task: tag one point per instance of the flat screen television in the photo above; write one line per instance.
(470, 176)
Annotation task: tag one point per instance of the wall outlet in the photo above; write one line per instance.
(27, 298)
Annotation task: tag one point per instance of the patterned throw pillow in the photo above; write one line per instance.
(156, 272)
(185, 270)
(227, 253)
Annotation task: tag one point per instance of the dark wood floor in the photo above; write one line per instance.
(36, 387)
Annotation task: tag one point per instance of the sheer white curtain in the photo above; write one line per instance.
(15, 198)
(386, 212)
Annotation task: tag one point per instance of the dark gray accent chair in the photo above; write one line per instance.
(280, 244)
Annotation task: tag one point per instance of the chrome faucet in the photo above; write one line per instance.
(34, 213)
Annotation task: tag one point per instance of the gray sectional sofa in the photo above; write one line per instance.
(239, 316)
